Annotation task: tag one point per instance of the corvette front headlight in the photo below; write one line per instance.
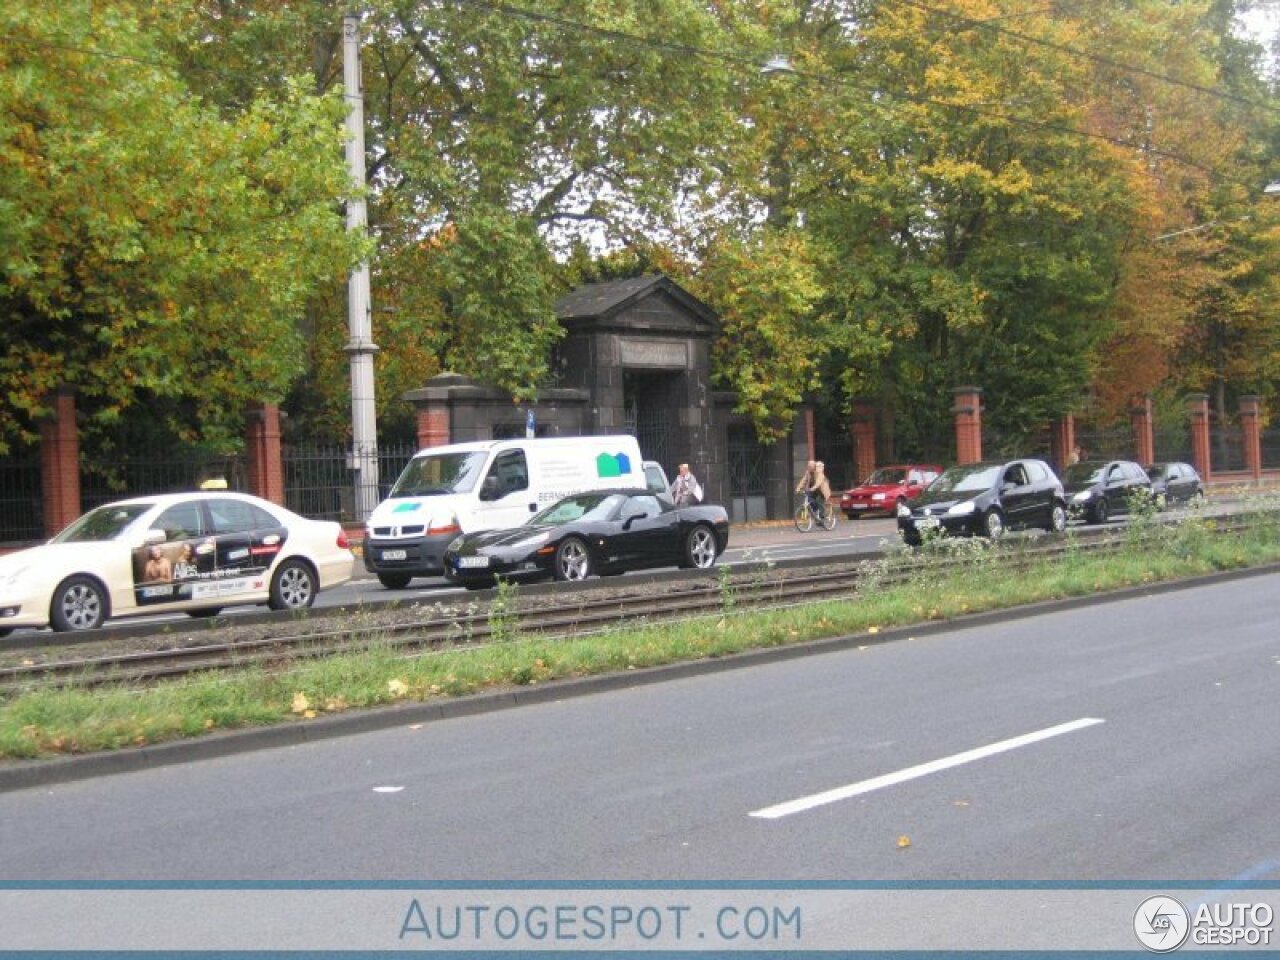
(961, 509)
(535, 540)
(1082, 496)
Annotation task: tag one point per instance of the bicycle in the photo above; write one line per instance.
(807, 516)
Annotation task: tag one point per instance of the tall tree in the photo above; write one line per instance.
(152, 249)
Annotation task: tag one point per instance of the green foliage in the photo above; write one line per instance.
(769, 344)
(151, 246)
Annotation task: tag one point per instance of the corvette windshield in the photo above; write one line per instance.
(440, 473)
(105, 523)
(587, 506)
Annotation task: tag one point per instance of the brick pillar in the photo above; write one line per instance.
(60, 462)
(1063, 439)
(266, 463)
(1250, 424)
(968, 414)
(1198, 409)
(862, 430)
(1144, 438)
(433, 425)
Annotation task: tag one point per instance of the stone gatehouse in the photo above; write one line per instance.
(635, 359)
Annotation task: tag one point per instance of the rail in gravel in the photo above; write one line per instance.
(413, 631)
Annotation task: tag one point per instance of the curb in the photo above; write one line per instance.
(24, 775)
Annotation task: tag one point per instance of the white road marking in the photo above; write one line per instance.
(387, 789)
(911, 773)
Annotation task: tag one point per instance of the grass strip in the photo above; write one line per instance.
(51, 722)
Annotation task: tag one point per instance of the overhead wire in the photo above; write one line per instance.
(991, 27)
(506, 9)
(746, 61)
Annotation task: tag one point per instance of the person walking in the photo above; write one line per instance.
(685, 489)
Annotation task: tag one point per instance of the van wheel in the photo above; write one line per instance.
(700, 548)
(573, 560)
(1101, 511)
(394, 581)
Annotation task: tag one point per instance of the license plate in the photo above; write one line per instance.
(472, 563)
(926, 523)
(859, 506)
(395, 554)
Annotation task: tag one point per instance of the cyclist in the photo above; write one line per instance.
(816, 487)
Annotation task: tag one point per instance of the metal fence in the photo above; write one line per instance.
(319, 480)
(1271, 449)
(105, 478)
(21, 499)
(1226, 449)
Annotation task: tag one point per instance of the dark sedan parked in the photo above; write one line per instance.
(601, 532)
(986, 499)
(1096, 489)
(1175, 483)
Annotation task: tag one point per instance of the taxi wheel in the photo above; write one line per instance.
(293, 587)
(79, 603)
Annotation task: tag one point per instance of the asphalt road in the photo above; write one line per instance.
(1127, 740)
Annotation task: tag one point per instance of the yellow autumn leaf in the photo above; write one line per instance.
(300, 703)
(309, 715)
(873, 629)
(397, 688)
(903, 842)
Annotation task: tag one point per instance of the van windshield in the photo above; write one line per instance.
(439, 473)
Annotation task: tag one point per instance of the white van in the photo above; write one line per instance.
(488, 485)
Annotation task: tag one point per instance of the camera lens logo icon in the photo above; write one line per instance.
(1161, 924)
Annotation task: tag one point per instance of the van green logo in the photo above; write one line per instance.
(613, 465)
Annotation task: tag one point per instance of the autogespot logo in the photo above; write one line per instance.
(1162, 924)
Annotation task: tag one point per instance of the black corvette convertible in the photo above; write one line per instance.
(601, 532)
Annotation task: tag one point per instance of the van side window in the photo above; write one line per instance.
(512, 472)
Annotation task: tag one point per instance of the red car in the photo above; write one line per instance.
(886, 488)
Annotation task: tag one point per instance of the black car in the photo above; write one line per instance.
(1097, 489)
(600, 532)
(1175, 483)
(986, 499)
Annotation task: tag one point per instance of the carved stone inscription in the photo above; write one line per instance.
(662, 354)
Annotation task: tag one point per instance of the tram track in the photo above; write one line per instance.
(416, 630)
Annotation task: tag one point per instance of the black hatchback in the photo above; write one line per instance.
(986, 499)
(1175, 483)
(1096, 489)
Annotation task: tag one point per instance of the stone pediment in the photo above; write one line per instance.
(656, 304)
